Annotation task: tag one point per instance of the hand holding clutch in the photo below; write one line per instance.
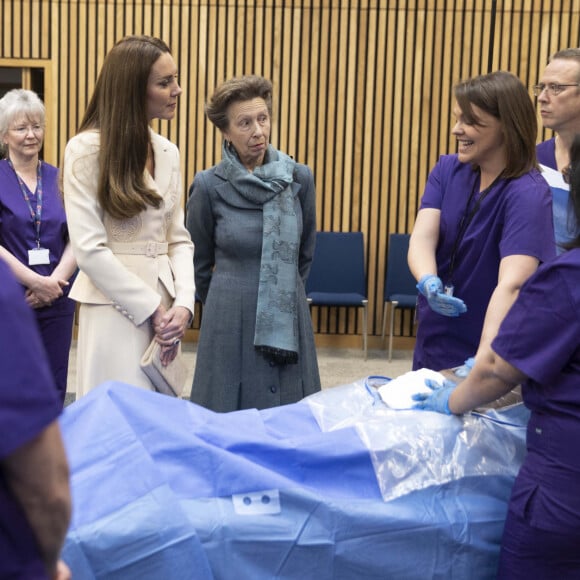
(169, 379)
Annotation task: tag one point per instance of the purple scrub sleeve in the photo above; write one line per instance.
(548, 307)
(541, 337)
(29, 402)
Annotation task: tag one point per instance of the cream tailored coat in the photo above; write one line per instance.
(126, 267)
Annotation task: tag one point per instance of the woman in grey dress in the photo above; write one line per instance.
(253, 224)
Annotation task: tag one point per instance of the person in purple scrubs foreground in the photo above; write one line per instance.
(484, 225)
(538, 346)
(35, 501)
(33, 230)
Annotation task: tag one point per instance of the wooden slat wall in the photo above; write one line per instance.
(362, 87)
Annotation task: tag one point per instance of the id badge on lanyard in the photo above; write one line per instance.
(38, 256)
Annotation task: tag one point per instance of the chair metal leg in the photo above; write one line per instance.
(393, 308)
(385, 306)
(365, 316)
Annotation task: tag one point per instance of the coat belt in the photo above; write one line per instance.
(150, 249)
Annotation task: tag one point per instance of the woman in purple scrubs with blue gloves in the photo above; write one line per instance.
(484, 225)
(538, 346)
(33, 229)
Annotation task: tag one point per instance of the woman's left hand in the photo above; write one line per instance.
(169, 326)
(169, 329)
(168, 353)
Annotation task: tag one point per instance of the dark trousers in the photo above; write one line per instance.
(529, 553)
(56, 326)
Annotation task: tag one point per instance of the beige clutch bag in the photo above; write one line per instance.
(168, 380)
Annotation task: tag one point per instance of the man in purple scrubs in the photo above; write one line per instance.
(558, 93)
(35, 501)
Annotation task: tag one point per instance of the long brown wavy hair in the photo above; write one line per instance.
(118, 110)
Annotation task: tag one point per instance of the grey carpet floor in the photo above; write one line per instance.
(338, 366)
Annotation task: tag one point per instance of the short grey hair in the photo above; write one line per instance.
(567, 54)
(17, 103)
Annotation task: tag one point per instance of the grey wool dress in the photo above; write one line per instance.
(226, 229)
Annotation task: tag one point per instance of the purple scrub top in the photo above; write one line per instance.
(540, 336)
(565, 228)
(546, 153)
(17, 232)
(29, 402)
(514, 217)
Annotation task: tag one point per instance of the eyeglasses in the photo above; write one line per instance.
(24, 129)
(552, 88)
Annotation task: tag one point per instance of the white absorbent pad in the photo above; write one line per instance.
(398, 393)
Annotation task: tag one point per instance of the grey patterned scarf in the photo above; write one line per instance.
(269, 186)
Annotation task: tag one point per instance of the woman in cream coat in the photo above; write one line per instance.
(123, 197)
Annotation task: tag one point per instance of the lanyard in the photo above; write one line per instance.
(36, 212)
(465, 221)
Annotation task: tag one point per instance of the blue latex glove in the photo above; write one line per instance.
(437, 399)
(432, 288)
(429, 285)
(465, 368)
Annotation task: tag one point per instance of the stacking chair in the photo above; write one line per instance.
(400, 285)
(337, 276)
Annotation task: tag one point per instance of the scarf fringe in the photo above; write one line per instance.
(279, 355)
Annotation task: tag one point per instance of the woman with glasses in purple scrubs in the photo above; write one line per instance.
(34, 238)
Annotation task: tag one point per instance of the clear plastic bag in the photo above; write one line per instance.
(413, 449)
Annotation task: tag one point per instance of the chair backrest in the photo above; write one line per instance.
(338, 263)
(398, 277)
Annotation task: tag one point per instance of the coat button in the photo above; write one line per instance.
(273, 389)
